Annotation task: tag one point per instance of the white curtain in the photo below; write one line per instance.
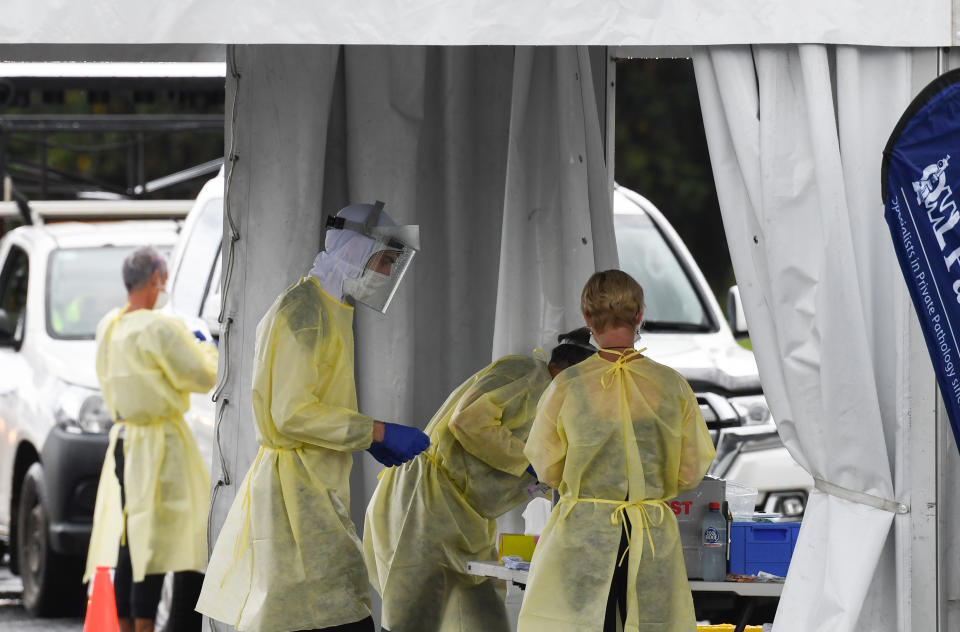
(557, 214)
(796, 135)
(496, 152)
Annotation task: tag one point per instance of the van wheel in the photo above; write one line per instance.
(51, 582)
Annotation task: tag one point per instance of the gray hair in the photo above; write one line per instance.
(140, 265)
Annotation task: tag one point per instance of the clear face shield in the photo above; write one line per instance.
(393, 250)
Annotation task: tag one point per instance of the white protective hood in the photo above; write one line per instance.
(345, 252)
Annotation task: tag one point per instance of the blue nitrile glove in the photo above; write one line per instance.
(383, 454)
(532, 472)
(405, 442)
(199, 335)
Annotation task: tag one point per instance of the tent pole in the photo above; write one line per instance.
(918, 544)
(610, 83)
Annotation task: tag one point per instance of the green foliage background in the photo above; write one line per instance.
(661, 153)
(110, 158)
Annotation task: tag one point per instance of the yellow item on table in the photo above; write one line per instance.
(728, 627)
(517, 544)
(147, 365)
(429, 517)
(616, 439)
(288, 556)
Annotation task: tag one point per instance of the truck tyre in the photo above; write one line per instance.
(51, 581)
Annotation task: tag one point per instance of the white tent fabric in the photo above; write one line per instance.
(444, 138)
(560, 214)
(796, 135)
(534, 22)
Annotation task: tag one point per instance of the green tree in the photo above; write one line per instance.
(661, 153)
(108, 158)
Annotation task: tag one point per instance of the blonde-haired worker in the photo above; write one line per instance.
(616, 435)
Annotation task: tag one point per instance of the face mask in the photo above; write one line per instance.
(366, 287)
(162, 298)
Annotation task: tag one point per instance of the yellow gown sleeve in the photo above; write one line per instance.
(478, 425)
(297, 389)
(547, 446)
(696, 451)
(188, 364)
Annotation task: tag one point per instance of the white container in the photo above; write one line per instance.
(690, 508)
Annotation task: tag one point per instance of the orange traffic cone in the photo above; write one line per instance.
(101, 605)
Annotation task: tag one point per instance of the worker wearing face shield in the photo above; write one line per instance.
(288, 557)
(151, 509)
(429, 517)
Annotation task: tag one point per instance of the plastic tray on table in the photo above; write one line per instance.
(762, 546)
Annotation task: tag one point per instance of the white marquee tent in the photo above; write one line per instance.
(503, 155)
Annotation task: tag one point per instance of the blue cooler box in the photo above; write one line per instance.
(762, 546)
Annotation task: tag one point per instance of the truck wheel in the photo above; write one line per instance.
(51, 582)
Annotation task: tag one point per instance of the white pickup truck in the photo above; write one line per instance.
(684, 328)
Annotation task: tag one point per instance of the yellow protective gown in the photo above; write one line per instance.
(148, 364)
(616, 439)
(428, 517)
(288, 556)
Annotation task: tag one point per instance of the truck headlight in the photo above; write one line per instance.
(753, 409)
(790, 504)
(82, 411)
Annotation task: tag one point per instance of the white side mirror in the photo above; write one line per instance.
(735, 315)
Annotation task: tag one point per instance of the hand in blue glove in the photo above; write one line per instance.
(383, 454)
(199, 335)
(532, 472)
(405, 442)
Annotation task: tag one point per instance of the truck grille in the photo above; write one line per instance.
(718, 413)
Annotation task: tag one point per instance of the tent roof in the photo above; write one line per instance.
(462, 22)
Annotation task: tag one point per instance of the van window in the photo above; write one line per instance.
(83, 284)
(199, 255)
(13, 294)
(210, 311)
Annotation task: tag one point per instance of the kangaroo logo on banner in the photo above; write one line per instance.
(921, 210)
(932, 183)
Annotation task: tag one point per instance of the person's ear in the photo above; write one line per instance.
(586, 319)
(639, 317)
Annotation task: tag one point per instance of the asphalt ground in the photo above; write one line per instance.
(13, 618)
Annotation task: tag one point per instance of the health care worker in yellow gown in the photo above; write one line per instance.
(151, 510)
(429, 517)
(288, 556)
(617, 435)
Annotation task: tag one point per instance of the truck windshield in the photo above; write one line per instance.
(83, 284)
(672, 300)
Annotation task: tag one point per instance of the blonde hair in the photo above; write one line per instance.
(611, 298)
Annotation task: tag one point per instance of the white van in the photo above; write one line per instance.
(56, 282)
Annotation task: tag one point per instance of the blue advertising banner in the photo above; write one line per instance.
(921, 169)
